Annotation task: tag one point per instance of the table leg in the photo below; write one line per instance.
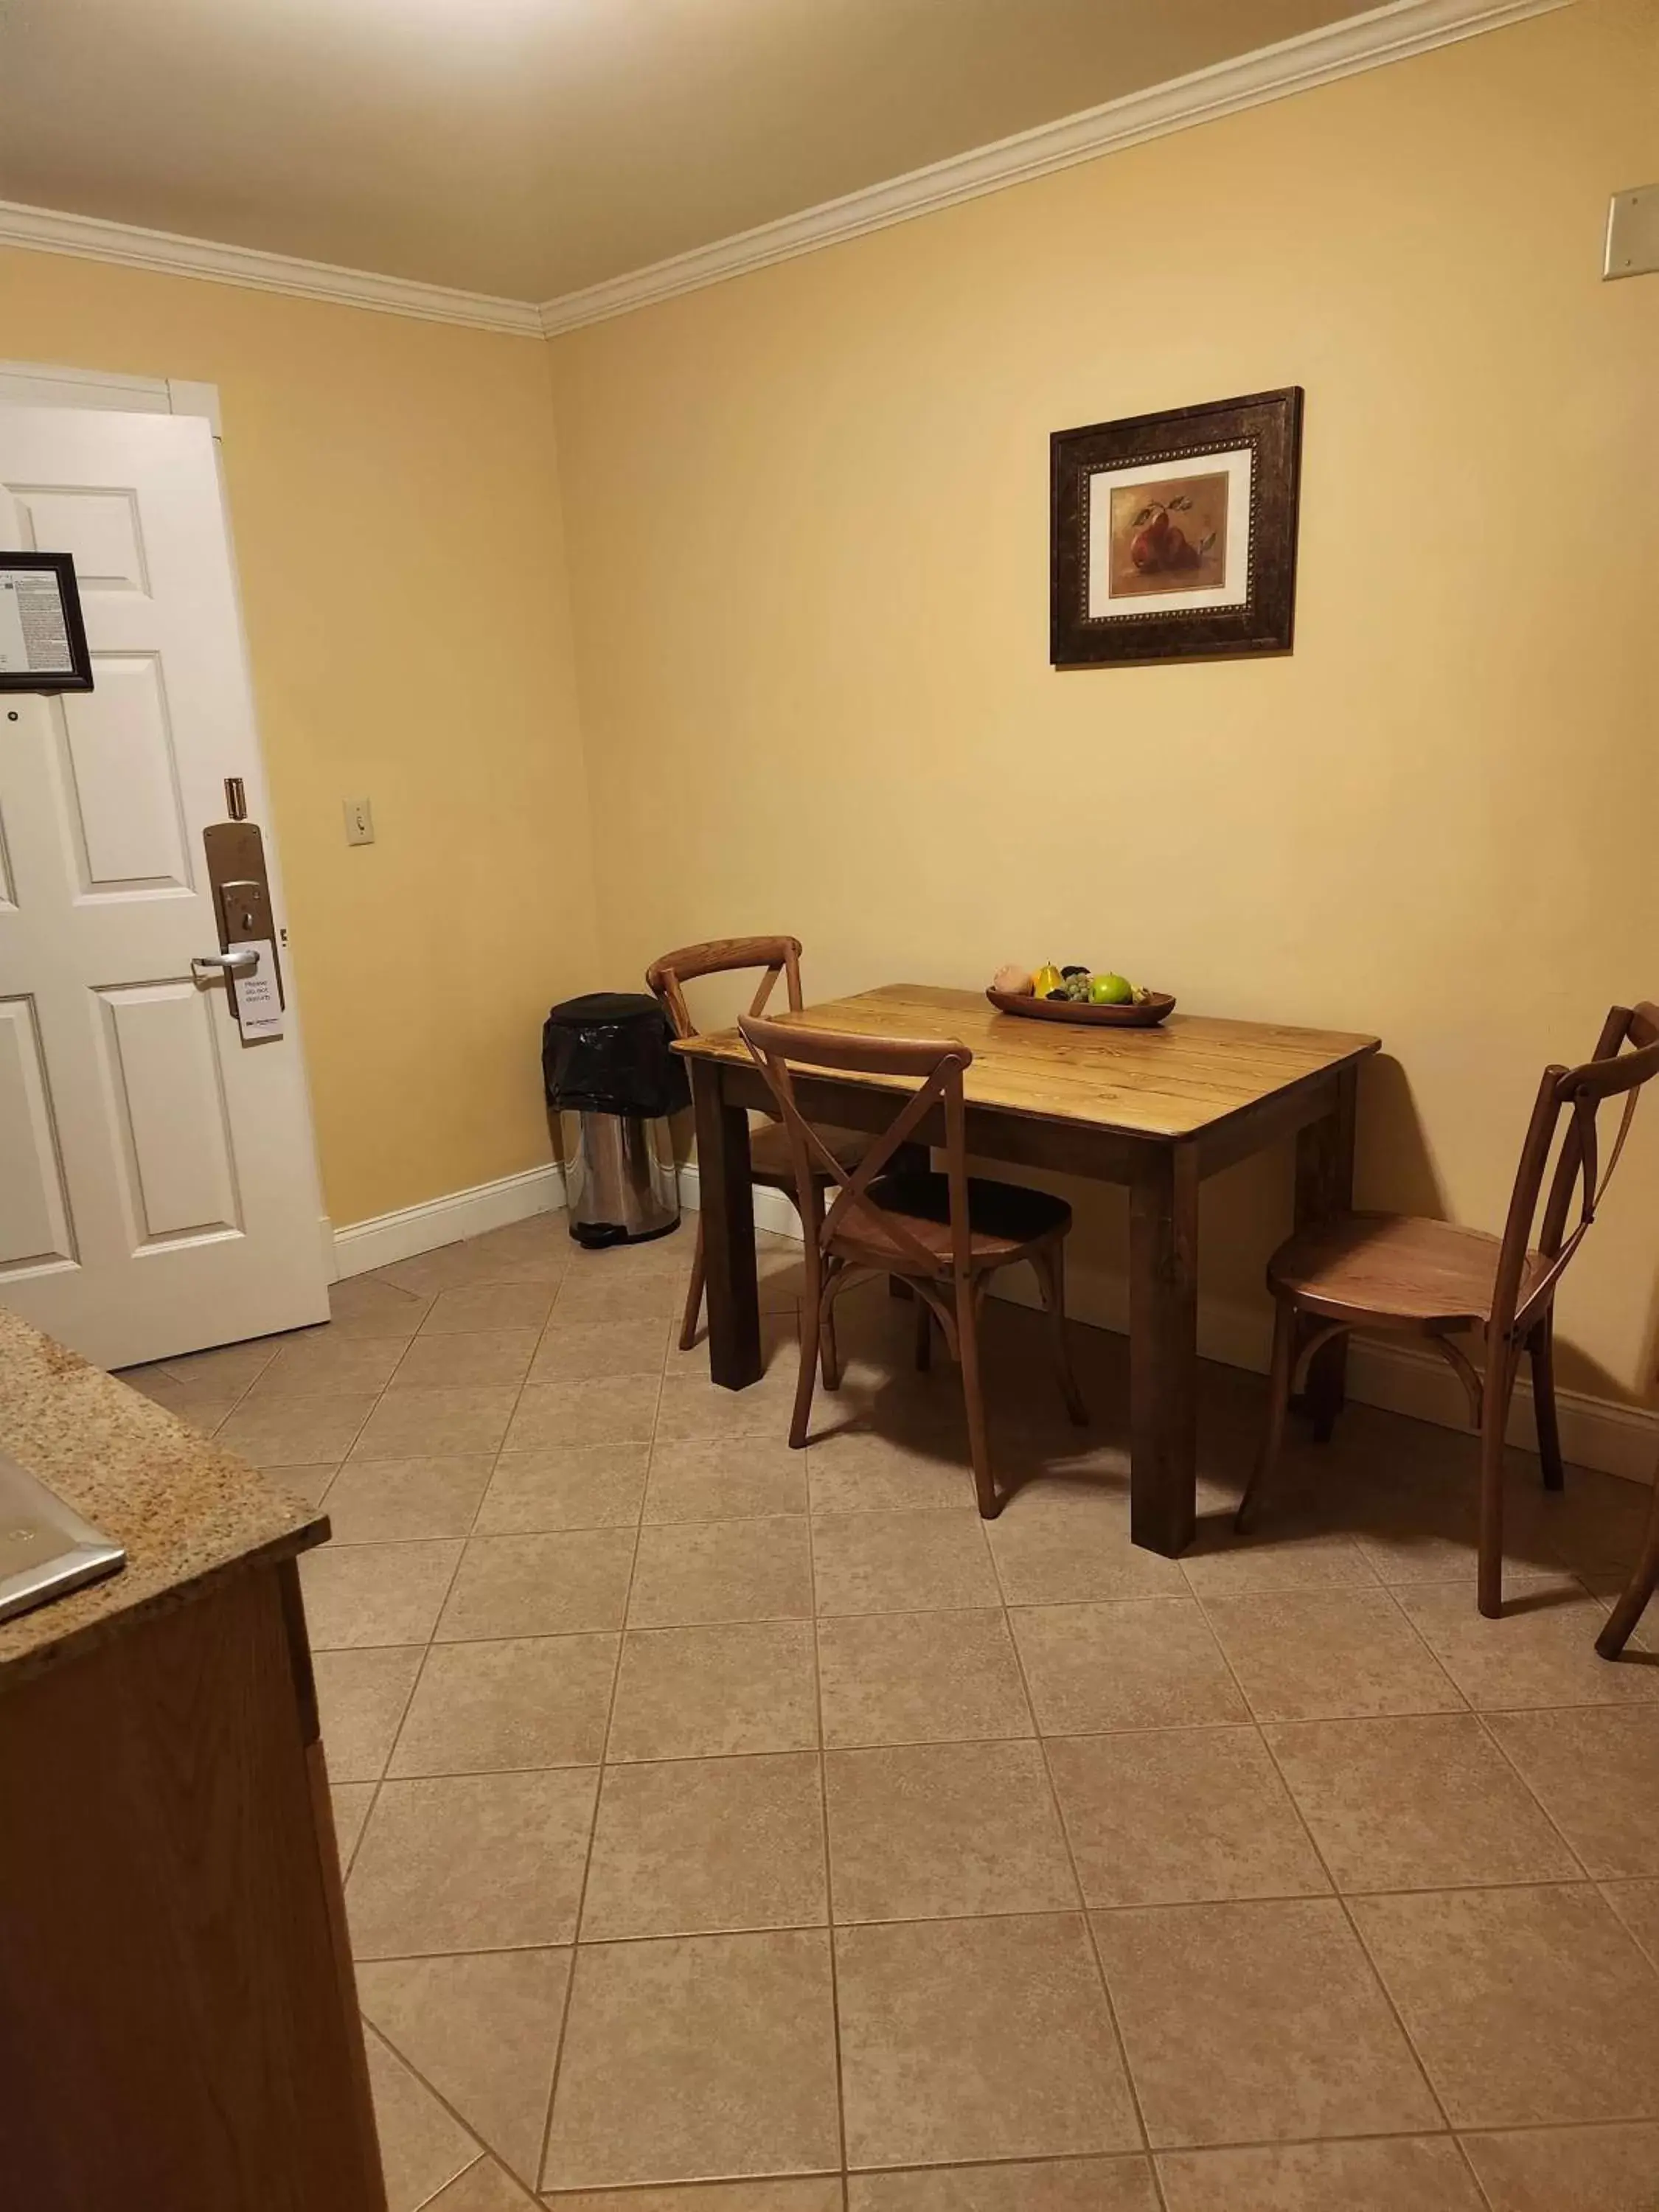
(1324, 1187)
(727, 1198)
(1163, 1350)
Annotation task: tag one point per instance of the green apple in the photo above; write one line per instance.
(1111, 991)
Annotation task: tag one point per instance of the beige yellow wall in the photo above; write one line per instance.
(805, 617)
(393, 488)
(809, 550)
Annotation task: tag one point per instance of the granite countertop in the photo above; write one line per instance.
(185, 1510)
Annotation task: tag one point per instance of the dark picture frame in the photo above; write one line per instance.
(1173, 537)
(78, 676)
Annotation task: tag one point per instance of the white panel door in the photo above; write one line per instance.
(158, 1187)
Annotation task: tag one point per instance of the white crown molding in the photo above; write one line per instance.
(90, 238)
(1389, 34)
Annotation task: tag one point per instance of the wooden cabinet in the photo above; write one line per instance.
(178, 2029)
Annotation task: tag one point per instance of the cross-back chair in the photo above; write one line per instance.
(779, 958)
(943, 1233)
(1393, 1272)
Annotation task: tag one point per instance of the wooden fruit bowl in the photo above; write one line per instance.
(1145, 1016)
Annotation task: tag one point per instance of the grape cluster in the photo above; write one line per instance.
(1073, 985)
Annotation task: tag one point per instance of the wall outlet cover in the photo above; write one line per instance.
(1633, 232)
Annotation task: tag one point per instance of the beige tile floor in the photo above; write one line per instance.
(735, 1830)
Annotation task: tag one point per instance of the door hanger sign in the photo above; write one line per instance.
(258, 1001)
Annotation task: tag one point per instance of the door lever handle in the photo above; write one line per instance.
(210, 966)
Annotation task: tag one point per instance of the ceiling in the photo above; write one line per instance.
(527, 148)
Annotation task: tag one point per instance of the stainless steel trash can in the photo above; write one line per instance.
(609, 1070)
(620, 1180)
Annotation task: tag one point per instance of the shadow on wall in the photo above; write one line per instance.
(1650, 1357)
(1576, 1371)
(1247, 1212)
(1396, 1172)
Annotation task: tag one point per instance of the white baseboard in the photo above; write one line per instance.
(774, 1211)
(363, 1245)
(1407, 1378)
(1402, 1378)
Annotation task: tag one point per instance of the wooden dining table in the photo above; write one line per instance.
(1156, 1109)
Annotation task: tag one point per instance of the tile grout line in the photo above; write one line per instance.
(182, 1383)
(379, 1784)
(430, 1638)
(936, 1919)
(599, 1796)
(1469, 2167)
(409, 1698)
(432, 1635)
(350, 1859)
(484, 2152)
(1464, 1703)
(356, 1438)
(740, 1620)
(993, 1913)
(1602, 1885)
(1148, 2158)
(1490, 1737)
(1197, 1594)
(246, 1393)
(427, 2202)
(1119, 2041)
(829, 1860)
(1387, 1994)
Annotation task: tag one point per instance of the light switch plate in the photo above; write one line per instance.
(360, 822)
(1633, 232)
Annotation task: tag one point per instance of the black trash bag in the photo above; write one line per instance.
(609, 1053)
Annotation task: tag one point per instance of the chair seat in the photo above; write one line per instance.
(769, 1154)
(1006, 1219)
(1392, 1267)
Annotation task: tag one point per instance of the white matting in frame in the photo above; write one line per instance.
(1113, 593)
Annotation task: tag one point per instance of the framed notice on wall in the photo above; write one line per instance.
(43, 641)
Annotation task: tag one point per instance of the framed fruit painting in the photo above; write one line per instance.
(1172, 537)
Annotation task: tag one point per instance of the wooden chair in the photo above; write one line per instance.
(769, 1149)
(943, 1234)
(1389, 1272)
(1644, 1579)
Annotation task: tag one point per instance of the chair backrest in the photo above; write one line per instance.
(935, 1064)
(1568, 1103)
(721, 956)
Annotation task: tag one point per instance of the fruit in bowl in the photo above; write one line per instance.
(1073, 985)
